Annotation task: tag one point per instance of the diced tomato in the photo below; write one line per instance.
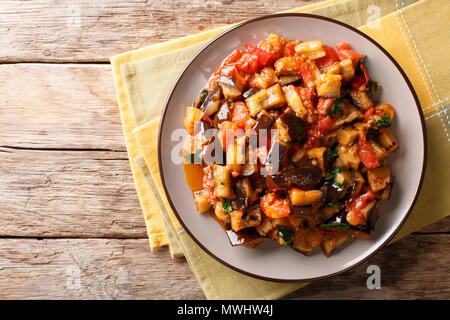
(240, 114)
(274, 207)
(318, 129)
(331, 57)
(308, 96)
(361, 78)
(305, 71)
(264, 57)
(324, 105)
(248, 64)
(354, 207)
(345, 52)
(209, 120)
(254, 60)
(226, 68)
(228, 61)
(366, 154)
(290, 50)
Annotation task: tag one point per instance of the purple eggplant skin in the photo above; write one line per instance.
(296, 127)
(249, 93)
(263, 121)
(275, 163)
(214, 93)
(224, 114)
(277, 182)
(302, 212)
(303, 178)
(372, 217)
(331, 192)
(241, 197)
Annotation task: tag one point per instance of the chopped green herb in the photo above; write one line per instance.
(372, 88)
(341, 226)
(203, 96)
(193, 157)
(385, 121)
(286, 140)
(340, 185)
(287, 235)
(333, 174)
(330, 205)
(227, 205)
(336, 108)
(332, 153)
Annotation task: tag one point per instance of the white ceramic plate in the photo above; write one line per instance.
(271, 261)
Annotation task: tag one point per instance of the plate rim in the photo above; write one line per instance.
(422, 122)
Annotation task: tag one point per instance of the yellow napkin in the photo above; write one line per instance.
(414, 48)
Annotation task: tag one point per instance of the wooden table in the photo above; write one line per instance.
(70, 223)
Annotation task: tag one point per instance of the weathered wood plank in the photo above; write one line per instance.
(68, 194)
(124, 269)
(59, 106)
(95, 30)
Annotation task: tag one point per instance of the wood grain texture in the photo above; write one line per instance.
(59, 106)
(86, 30)
(69, 205)
(124, 269)
(68, 194)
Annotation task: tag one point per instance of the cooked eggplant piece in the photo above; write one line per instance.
(331, 192)
(244, 193)
(212, 101)
(295, 125)
(289, 79)
(329, 85)
(332, 241)
(379, 178)
(286, 66)
(201, 199)
(231, 88)
(247, 237)
(222, 182)
(200, 99)
(294, 101)
(275, 156)
(263, 121)
(360, 99)
(302, 212)
(249, 92)
(191, 117)
(242, 219)
(301, 198)
(306, 240)
(224, 114)
(266, 98)
(303, 178)
(276, 183)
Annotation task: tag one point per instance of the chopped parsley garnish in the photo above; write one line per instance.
(333, 174)
(203, 96)
(193, 157)
(227, 205)
(385, 121)
(336, 108)
(340, 185)
(330, 205)
(372, 88)
(286, 140)
(341, 226)
(286, 235)
(332, 153)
